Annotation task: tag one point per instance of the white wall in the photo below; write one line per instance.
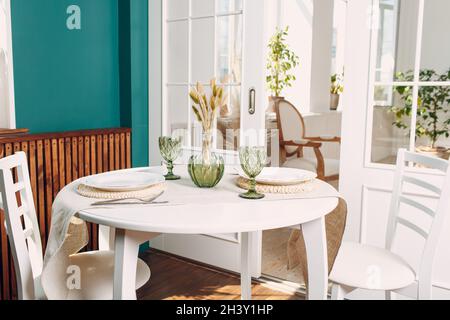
(7, 119)
(310, 37)
(298, 15)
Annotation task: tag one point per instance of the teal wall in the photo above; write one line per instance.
(91, 78)
(133, 53)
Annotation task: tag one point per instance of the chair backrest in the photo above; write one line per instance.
(21, 223)
(290, 122)
(437, 215)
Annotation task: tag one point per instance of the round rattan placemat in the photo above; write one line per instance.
(90, 192)
(264, 188)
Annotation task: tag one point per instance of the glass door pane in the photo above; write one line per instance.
(391, 122)
(396, 45)
(435, 60)
(203, 42)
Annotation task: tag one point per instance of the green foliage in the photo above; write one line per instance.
(433, 106)
(280, 62)
(337, 83)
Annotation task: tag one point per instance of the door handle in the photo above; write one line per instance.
(252, 101)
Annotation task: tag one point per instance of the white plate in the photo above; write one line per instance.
(283, 176)
(124, 181)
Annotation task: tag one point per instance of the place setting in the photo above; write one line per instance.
(123, 188)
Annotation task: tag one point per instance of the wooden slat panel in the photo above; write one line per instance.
(99, 154)
(48, 182)
(87, 156)
(105, 153)
(111, 152)
(128, 152)
(55, 168)
(123, 163)
(75, 158)
(117, 151)
(33, 171)
(54, 161)
(68, 152)
(62, 163)
(40, 190)
(93, 155)
(81, 157)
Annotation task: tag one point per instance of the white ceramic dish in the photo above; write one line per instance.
(283, 176)
(124, 181)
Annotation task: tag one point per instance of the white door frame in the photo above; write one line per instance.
(9, 121)
(204, 248)
(365, 185)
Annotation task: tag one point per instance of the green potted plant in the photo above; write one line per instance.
(433, 106)
(337, 87)
(280, 64)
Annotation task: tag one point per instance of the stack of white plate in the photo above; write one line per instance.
(282, 176)
(124, 181)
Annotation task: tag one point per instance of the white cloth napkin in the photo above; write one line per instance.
(61, 244)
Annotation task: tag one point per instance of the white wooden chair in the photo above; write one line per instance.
(373, 268)
(293, 141)
(23, 232)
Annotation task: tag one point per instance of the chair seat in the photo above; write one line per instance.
(97, 274)
(368, 267)
(310, 164)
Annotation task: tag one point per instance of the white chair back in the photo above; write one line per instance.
(291, 123)
(21, 223)
(438, 215)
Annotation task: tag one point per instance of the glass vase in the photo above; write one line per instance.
(206, 169)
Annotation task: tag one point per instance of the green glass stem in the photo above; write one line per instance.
(251, 193)
(170, 175)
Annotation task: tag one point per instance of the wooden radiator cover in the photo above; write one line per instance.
(55, 160)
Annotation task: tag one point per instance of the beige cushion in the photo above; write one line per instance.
(310, 164)
(97, 273)
(334, 225)
(368, 267)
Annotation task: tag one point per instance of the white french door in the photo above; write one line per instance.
(7, 114)
(221, 39)
(392, 47)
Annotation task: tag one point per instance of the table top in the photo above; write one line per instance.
(191, 210)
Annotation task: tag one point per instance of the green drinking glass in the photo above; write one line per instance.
(253, 161)
(170, 149)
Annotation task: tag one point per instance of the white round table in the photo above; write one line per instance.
(191, 210)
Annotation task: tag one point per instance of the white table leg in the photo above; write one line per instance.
(125, 262)
(246, 278)
(105, 238)
(317, 256)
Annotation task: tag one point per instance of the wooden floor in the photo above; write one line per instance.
(177, 279)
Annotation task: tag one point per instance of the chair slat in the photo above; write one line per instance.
(413, 227)
(18, 186)
(28, 232)
(431, 162)
(422, 184)
(417, 205)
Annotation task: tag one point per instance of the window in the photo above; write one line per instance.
(203, 41)
(410, 89)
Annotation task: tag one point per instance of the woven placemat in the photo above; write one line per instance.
(264, 188)
(90, 192)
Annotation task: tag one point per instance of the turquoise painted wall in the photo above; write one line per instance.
(65, 80)
(82, 79)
